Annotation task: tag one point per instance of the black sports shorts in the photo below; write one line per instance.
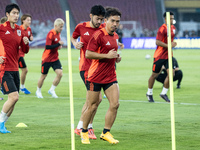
(55, 65)
(22, 63)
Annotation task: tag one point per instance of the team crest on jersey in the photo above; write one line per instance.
(174, 31)
(56, 39)
(19, 32)
(29, 33)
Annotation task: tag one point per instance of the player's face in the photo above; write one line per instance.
(13, 16)
(112, 23)
(59, 28)
(96, 20)
(27, 21)
(171, 19)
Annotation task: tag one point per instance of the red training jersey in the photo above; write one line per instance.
(28, 33)
(51, 55)
(10, 41)
(84, 31)
(162, 52)
(102, 70)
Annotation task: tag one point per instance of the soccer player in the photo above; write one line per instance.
(178, 75)
(161, 58)
(85, 31)
(25, 26)
(102, 49)
(50, 58)
(3, 19)
(11, 38)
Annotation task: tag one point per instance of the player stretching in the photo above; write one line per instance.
(25, 26)
(11, 38)
(102, 49)
(161, 58)
(85, 31)
(50, 58)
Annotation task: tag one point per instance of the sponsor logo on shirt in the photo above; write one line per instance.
(108, 43)
(86, 33)
(19, 32)
(56, 39)
(7, 32)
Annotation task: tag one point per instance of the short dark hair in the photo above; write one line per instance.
(98, 10)
(112, 11)
(171, 13)
(24, 17)
(10, 7)
(3, 19)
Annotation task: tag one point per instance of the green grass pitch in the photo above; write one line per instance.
(139, 125)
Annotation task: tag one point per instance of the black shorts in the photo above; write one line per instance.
(91, 86)
(10, 81)
(158, 65)
(55, 65)
(22, 63)
(83, 75)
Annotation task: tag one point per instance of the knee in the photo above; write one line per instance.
(14, 97)
(60, 74)
(115, 106)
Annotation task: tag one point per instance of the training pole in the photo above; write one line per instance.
(70, 80)
(171, 82)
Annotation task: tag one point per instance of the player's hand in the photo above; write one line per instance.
(31, 38)
(121, 45)
(2, 59)
(118, 59)
(174, 44)
(25, 39)
(78, 45)
(60, 47)
(61, 42)
(112, 54)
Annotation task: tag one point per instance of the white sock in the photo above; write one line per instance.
(164, 91)
(38, 89)
(52, 88)
(90, 126)
(6, 118)
(80, 125)
(150, 91)
(2, 116)
(22, 86)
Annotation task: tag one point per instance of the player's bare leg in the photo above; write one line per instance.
(22, 79)
(7, 110)
(112, 94)
(163, 94)
(151, 82)
(40, 83)
(56, 81)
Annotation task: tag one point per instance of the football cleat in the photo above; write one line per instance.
(39, 94)
(77, 131)
(91, 134)
(108, 137)
(150, 98)
(3, 128)
(53, 94)
(25, 91)
(85, 138)
(165, 97)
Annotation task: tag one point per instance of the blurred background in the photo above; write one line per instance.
(140, 18)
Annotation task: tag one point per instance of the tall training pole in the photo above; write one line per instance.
(70, 80)
(171, 82)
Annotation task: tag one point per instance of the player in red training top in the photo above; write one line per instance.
(50, 58)
(11, 38)
(161, 58)
(25, 26)
(85, 31)
(102, 49)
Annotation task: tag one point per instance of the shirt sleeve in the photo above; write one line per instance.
(76, 32)
(24, 47)
(49, 39)
(160, 34)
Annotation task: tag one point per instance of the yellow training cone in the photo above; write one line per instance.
(21, 125)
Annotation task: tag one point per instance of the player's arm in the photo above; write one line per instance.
(118, 59)
(25, 44)
(94, 55)
(31, 36)
(76, 44)
(60, 43)
(121, 45)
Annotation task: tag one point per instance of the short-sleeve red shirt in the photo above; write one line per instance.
(84, 31)
(102, 70)
(51, 55)
(162, 52)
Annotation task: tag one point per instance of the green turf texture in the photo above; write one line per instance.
(139, 125)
